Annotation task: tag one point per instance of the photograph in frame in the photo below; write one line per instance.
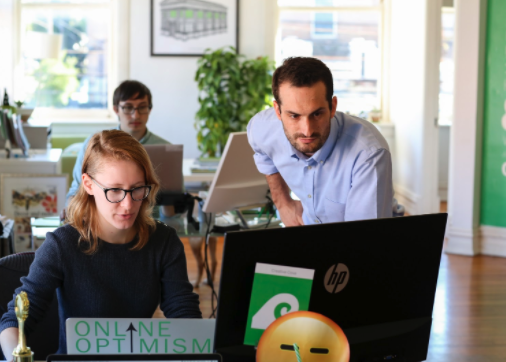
(26, 195)
(189, 27)
(23, 241)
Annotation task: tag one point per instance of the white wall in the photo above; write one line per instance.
(413, 92)
(444, 161)
(466, 132)
(171, 79)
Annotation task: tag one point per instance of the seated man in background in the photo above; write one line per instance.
(132, 103)
(338, 165)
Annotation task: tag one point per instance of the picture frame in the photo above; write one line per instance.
(32, 195)
(189, 27)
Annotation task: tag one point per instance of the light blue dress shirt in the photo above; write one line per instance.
(148, 139)
(349, 178)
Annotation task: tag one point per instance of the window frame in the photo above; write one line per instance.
(335, 27)
(118, 33)
(383, 9)
(447, 122)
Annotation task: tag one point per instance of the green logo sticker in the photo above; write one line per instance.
(276, 291)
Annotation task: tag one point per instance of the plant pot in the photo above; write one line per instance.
(375, 116)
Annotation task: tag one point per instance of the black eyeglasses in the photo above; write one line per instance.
(131, 110)
(116, 195)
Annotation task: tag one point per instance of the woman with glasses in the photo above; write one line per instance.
(111, 259)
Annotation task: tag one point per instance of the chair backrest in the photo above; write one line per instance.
(43, 340)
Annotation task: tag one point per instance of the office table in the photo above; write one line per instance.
(46, 161)
(179, 222)
(191, 177)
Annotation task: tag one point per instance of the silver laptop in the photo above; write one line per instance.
(210, 357)
(167, 161)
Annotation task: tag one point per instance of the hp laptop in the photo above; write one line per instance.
(375, 278)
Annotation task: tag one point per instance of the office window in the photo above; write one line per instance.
(345, 35)
(64, 54)
(446, 67)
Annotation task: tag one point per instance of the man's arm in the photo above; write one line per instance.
(9, 341)
(289, 209)
(371, 194)
(76, 172)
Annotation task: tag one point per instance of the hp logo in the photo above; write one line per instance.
(336, 278)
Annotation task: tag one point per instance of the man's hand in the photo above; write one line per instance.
(289, 209)
(291, 213)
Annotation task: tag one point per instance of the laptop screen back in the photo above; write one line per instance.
(167, 161)
(135, 358)
(371, 277)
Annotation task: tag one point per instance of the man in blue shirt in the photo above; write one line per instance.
(132, 103)
(339, 166)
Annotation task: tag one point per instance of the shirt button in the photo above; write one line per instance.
(316, 221)
(309, 196)
(309, 167)
(321, 161)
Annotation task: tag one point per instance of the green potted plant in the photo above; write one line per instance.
(375, 115)
(231, 91)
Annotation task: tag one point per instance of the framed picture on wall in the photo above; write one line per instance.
(189, 27)
(27, 195)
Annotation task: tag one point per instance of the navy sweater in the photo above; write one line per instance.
(115, 282)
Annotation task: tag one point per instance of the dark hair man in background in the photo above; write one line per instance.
(132, 103)
(339, 166)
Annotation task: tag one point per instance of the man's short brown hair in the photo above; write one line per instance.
(131, 88)
(303, 72)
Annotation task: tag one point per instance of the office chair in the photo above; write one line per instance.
(43, 340)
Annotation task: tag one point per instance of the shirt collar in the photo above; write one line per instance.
(144, 139)
(323, 153)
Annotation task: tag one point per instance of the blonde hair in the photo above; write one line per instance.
(82, 211)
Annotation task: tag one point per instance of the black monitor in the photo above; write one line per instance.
(385, 309)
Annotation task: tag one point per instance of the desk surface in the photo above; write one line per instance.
(51, 155)
(189, 177)
(43, 225)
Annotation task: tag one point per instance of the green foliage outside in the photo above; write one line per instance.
(56, 81)
(232, 90)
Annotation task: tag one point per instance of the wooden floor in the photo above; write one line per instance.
(469, 312)
(469, 319)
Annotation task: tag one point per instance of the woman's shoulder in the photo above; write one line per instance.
(163, 232)
(64, 235)
(58, 242)
(164, 237)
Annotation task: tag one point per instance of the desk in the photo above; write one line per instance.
(46, 161)
(195, 236)
(189, 177)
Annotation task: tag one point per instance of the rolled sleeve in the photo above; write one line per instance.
(263, 162)
(371, 193)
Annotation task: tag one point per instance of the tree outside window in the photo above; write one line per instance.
(77, 75)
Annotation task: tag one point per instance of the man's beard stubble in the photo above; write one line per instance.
(308, 148)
